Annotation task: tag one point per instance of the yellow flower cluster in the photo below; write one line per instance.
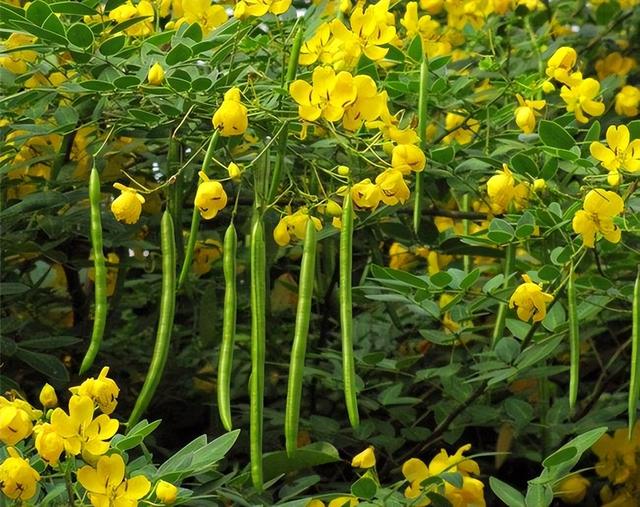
(471, 494)
(503, 191)
(294, 226)
(621, 154)
(257, 8)
(596, 217)
(618, 462)
(578, 93)
(17, 61)
(530, 300)
(129, 10)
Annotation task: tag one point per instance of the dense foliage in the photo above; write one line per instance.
(380, 253)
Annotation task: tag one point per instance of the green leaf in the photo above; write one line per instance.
(124, 82)
(507, 349)
(72, 8)
(500, 231)
(539, 495)
(634, 129)
(42, 33)
(120, 27)
(201, 84)
(562, 455)
(134, 436)
(537, 352)
(593, 133)
(47, 364)
(54, 25)
(443, 155)
(555, 136)
(441, 279)
(97, 86)
(317, 453)
(50, 342)
(145, 116)
(80, 35)
(365, 487)
(13, 288)
(508, 494)
(415, 49)
(38, 12)
(522, 164)
(111, 46)
(178, 54)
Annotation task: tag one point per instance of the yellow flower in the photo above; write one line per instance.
(231, 117)
(525, 113)
(502, 191)
(343, 501)
(572, 489)
(16, 420)
(621, 154)
(156, 74)
(128, 205)
(235, 173)
(365, 459)
(48, 443)
(393, 188)
(370, 29)
(321, 47)
(102, 390)
(367, 106)
(333, 208)
(366, 195)
(294, 227)
(416, 471)
(408, 157)
(48, 398)
(459, 129)
(16, 61)
(327, 96)
(80, 431)
(210, 197)
(128, 11)
(166, 492)
(257, 8)
(530, 300)
(628, 101)
(107, 485)
(579, 97)
(205, 254)
(596, 217)
(617, 455)
(614, 64)
(561, 63)
(203, 13)
(400, 257)
(17, 479)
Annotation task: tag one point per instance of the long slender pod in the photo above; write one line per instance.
(346, 316)
(99, 265)
(195, 217)
(422, 132)
(165, 320)
(301, 332)
(225, 359)
(258, 338)
(574, 338)
(634, 384)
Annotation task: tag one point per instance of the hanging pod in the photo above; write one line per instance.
(100, 283)
(225, 359)
(301, 332)
(165, 320)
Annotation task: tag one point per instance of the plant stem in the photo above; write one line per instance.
(509, 261)
(422, 133)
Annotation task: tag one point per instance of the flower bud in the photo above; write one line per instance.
(366, 459)
(48, 397)
(155, 75)
(166, 492)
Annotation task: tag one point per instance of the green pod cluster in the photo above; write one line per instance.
(165, 320)
(346, 312)
(100, 268)
(258, 339)
(301, 332)
(225, 359)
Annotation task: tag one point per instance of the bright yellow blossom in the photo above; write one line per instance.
(393, 188)
(599, 208)
(572, 489)
(205, 254)
(209, 16)
(128, 205)
(294, 227)
(231, 117)
(408, 157)
(614, 64)
(210, 197)
(48, 398)
(327, 96)
(48, 443)
(107, 485)
(321, 47)
(17, 479)
(400, 257)
(102, 390)
(502, 191)
(156, 74)
(628, 101)
(16, 61)
(367, 106)
(257, 8)
(579, 97)
(129, 11)
(617, 455)
(166, 492)
(235, 173)
(530, 300)
(80, 431)
(560, 65)
(366, 195)
(620, 155)
(365, 459)
(526, 112)
(16, 420)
